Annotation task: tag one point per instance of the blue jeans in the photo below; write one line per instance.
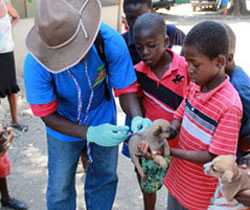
(173, 204)
(101, 178)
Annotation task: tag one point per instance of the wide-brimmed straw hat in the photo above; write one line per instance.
(64, 31)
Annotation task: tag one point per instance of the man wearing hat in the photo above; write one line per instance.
(66, 82)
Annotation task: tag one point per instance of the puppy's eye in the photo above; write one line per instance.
(214, 169)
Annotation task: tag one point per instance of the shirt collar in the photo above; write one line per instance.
(206, 96)
(174, 65)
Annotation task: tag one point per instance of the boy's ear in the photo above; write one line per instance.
(230, 57)
(166, 41)
(221, 61)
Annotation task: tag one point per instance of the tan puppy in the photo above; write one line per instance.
(155, 136)
(233, 179)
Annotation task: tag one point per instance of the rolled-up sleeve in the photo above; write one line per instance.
(134, 88)
(39, 87)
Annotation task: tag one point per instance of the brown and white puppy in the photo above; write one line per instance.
(233, 179)
(156, 137)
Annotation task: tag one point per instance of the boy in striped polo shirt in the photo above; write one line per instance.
(208, 120)
(162, 78)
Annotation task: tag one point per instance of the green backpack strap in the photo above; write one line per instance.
(99, 44)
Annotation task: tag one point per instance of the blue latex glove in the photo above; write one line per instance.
(107, 135)
(139, 124)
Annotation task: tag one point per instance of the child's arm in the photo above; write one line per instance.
(13, 13)
(224, 140)
(193, 156)
(244, 197)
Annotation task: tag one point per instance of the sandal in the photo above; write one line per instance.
(13, 203)
(19, 127)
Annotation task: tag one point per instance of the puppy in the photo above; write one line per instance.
(155, 136)
(233, 179)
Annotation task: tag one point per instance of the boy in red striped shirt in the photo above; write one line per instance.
(208, 120)
(162, 78)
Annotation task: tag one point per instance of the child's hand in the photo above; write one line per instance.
(144, 149)
(172, 132)
(6, 138)
(174, 128)
(15, 20)
(244, 197)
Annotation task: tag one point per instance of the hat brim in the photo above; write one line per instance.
(61, 59)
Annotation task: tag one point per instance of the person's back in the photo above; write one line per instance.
(241, 82)
(208, 119)
(133, 9)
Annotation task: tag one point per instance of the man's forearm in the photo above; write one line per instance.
(193, 156)
(59, 123)
(12, 11)
(130, 104)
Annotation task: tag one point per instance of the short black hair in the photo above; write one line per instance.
(147, 2)
(150, 21)
(209, 38)
(231, 38)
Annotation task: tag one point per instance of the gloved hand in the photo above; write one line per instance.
(139, 124)
(107, 135)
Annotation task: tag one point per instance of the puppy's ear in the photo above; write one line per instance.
(227, 176)
(158, 131)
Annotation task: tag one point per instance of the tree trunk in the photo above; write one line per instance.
(239, 7)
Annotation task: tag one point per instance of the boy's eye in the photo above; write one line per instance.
(195, 65)
(152, 45)
(138, 47)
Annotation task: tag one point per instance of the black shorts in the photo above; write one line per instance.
(8, 82)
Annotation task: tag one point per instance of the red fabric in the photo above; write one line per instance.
(185, 180)
(43, 110)
(130, 89)
(5, 165)
(155, 109)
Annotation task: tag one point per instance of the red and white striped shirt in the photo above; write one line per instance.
(171, 88)
(210, 122)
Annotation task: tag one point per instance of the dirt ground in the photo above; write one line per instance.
(28, 152)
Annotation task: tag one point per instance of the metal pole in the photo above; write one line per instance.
(119, 13)
(25, 9)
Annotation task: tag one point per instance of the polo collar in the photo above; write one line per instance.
(206, 96)
(173, 67)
